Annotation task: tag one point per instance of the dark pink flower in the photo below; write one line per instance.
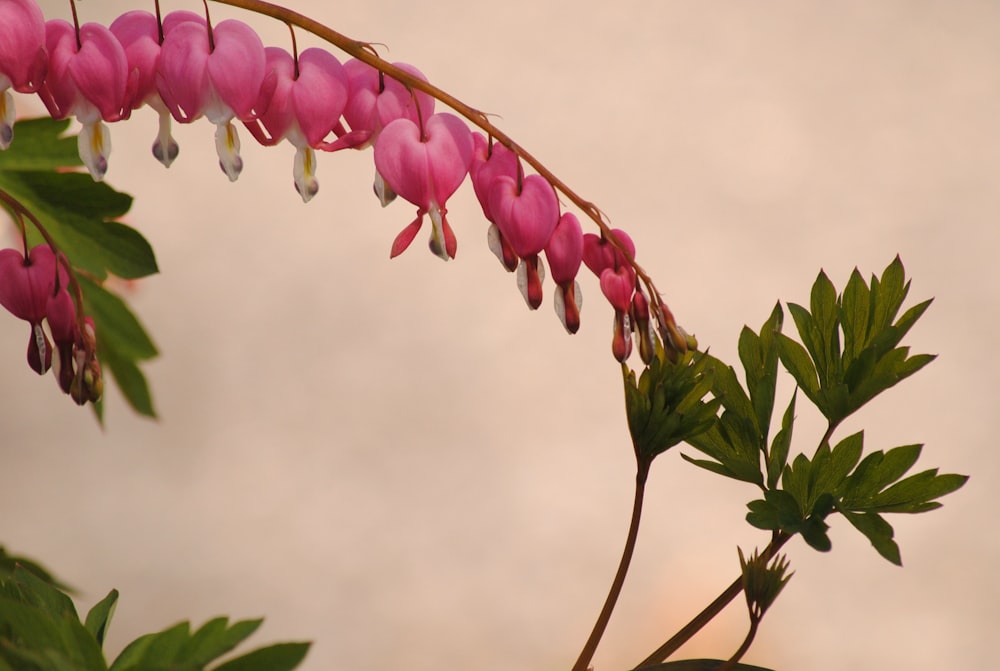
(26, 285)
(23, 60)
(425, 168)
(304, 105)
(89, 80)
(526, 212)
(564, 252)
(489, 161)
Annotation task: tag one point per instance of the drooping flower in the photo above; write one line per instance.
(23, 60)
(489, 161)
(306, 100)
(87, 78)
(140, 35)
(216, 73)
(425, 164)
(375, 101)
(526, 212)
(26, 285)
(564, 252)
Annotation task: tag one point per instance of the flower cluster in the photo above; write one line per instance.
(185, 68)
(33, 287)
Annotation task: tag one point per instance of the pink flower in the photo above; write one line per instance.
(489, 161)
(306, 100)
(23, 60)
(87, 78)
(425, 165)
(140, 34)
(216, 74)
(526, 212)
(564, 252)
(26, 285)
(374, 102)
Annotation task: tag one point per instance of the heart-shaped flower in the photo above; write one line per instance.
(425, 166)
(305, 99)
(23, 60)
(218, 75)
(525, 213)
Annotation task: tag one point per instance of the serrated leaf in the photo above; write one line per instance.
(99, 618)
(278, 657)
(855, 315)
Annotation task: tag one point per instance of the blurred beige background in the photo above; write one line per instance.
(400, 462)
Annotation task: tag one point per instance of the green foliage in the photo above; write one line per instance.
(840, 379)
(81, 216)
(849, 354)
(41, 631)
(666, 405)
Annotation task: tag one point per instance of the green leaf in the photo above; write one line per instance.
(700, 665)
(878, 531)
(39, 144)
(77, 211)
(99, 618)
(777, 457)
(215, 639)
(9, 562)
(796, 360)
(759, 355)
(278, 657)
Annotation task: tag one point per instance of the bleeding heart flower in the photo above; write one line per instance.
(88, 78)
(564, 252)
(26, 285)
(490, 160)
(599, 254)
(306, 100)
(140, 35)
(217, 74)
(23, 60)
(525, 213)
(426, 169)
(375, 101)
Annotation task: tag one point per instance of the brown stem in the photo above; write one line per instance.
(590, 647)
(710, 611)
(363, 52)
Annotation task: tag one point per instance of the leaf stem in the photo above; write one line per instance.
(587, 654)
(711, 610)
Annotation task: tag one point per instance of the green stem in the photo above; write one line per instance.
(587, 654)
(710, 611)
(747, 642)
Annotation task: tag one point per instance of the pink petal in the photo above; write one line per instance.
(617, 286)
(487, 164)
(22, 45)
(526, 219)
(372, 107)
(100, 71)
(236, 68)
(182, 76)
(564, 250)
